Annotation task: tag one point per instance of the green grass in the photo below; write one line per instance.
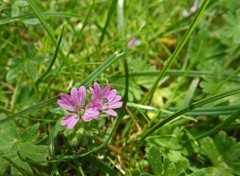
(179, 86)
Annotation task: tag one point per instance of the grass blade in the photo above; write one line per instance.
(220, 126)
(50, 34)
(187, 109)
(53, 60)
(110, 13)
(148, 97)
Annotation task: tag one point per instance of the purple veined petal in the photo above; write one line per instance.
(74, 95)
(116, 99)
(70, 121)
(67, 119)
(67, 99)
(91, 113)
(93, 94)
(106, 91)
(94, 105)
(65, 105)
(86, 119)
(110, 112)
(112, 94)
(97, 91)
(82, 95)
(115, 105)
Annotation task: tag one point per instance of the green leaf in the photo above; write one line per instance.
(30, 133)
(15, 72)
(170, 169)
(3, 165)
(12, 146)
(21, 165)
(32, 21)
(20, 3)
(36, 153)
(31, 70)
(155, 160)
(211, 151)
(230, 150)
(15, 11)
(161, 166)
(198, 173)
(233, 27)
(224, 154)
(8, 137)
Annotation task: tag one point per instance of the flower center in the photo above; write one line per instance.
(78, 109)
(103, 102)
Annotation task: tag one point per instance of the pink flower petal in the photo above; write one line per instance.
(91, 113)
(67, 99)
(132, 42)
(82, 95)
(93, 94)
(112, 94)
(65, 105)
(97, 90)
(106, 91)
(74, 95)
(86, 119)
(70, 120)
(115, 105)
(93, 105)
(116, 99)
(78, 96)
(110, 112)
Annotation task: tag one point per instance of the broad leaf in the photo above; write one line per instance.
(155, 160)
(224, 154)
(30, 133)
(15, 72)
(36, 153)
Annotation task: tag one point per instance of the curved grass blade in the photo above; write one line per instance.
(53, 60)
(50, 34)
(187, 109)
(215, 110)
(148, 97)
(177, 73)
(71, 48)
(220, 126)
(81, 30)
(30, 109)
(101, 68)
(48, 15)
(109, 15)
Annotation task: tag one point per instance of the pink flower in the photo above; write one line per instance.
(193, 9)
(105, 100)
(132, 42)
(75, 104)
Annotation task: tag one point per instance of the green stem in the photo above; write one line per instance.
(188, 108)
(220, 126)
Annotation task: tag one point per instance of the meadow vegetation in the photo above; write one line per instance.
(175, 65)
